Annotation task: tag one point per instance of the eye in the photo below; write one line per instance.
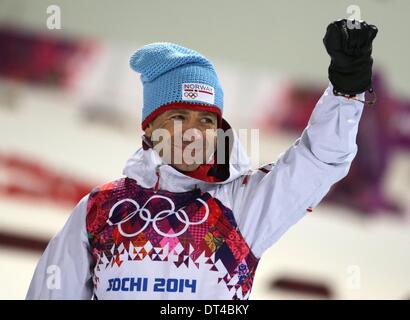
(179, 117)
(207, 120)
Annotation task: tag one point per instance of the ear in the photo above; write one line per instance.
(148, 130)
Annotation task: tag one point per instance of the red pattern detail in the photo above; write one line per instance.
(236, 243)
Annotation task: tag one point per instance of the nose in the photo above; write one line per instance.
(192, 134)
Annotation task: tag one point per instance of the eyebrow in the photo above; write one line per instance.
(202, 113)
(177, 111)
(206, 113)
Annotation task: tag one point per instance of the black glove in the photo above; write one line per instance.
(350, 50)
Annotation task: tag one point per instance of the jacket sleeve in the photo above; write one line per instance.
(277, 195)
(64, 269)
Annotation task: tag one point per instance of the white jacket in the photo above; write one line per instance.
(194, 239)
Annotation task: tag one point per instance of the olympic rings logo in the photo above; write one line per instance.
(191, 94)
(145, 215)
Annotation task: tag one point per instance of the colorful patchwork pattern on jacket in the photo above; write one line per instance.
(148, 244)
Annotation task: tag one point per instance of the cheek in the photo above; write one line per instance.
(209, 136)
(163, 133)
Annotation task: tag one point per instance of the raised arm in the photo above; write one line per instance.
(277, 195)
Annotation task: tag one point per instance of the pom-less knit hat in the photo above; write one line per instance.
(176, 77)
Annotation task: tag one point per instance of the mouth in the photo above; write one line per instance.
(194, 153)
(184, 145)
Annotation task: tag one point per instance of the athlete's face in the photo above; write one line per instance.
(184, 138)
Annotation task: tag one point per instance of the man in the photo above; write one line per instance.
(195, 227)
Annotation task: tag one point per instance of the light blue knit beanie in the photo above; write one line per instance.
(176, 77)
